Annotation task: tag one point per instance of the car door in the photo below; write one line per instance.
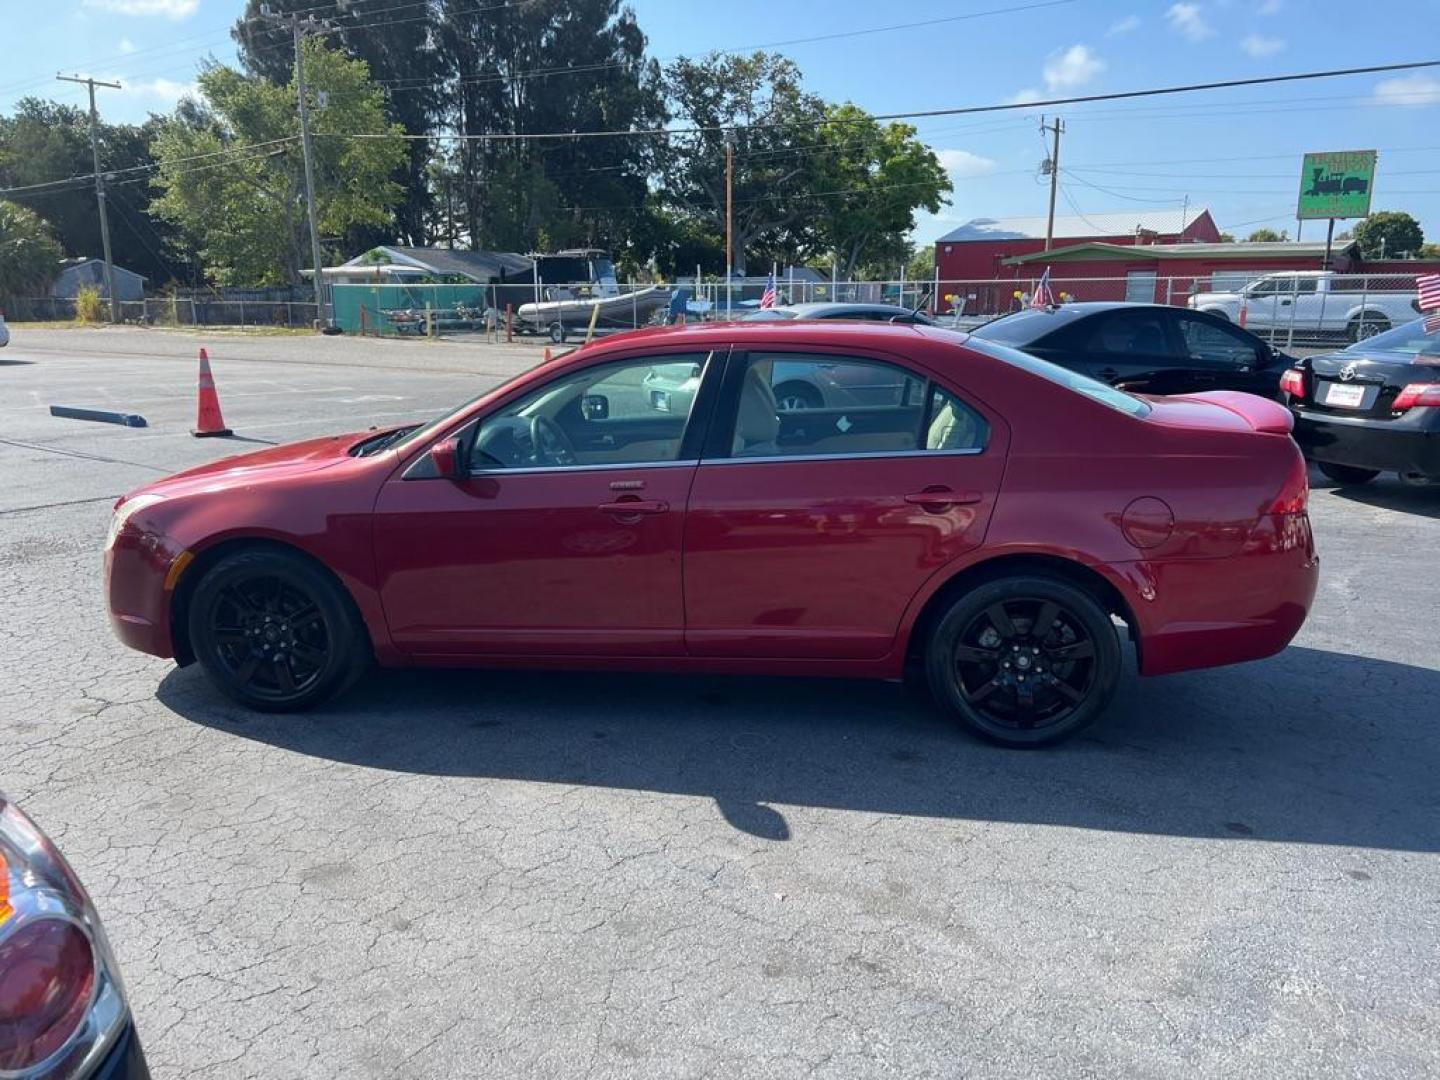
(1223, 357)
(809, 531)
(562, 536)
(1131, 348)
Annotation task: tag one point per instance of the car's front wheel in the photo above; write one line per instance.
(1347, 474)
(274, 631)
(1024, 661)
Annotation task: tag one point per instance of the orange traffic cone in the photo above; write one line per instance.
(546, 358)
(208, 420)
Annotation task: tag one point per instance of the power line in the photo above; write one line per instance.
(966, 110)
(229, 152)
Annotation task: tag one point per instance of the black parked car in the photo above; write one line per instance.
(1372, 408)
(1145, 348)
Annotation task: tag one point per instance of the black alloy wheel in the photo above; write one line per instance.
(1025, 661)
(1345, 475)
(275, 632)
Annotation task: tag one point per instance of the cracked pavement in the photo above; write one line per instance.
(477, 873)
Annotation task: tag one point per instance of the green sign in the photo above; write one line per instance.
(1336, 185)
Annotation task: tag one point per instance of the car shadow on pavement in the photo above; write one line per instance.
(1402, 498)
(1309, 747)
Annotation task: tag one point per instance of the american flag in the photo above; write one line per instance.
(1429, 286)
(1042, 296)
(767, 298)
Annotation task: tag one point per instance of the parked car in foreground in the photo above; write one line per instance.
(983, 528)
(63, 1012)
(1372, 408)
(1144, 348)
(1315, 302)
(822, 309)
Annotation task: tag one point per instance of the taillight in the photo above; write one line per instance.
(1417, 395)
(61, 1002)
(1295, 493)
(1292, 382)
(47, 975)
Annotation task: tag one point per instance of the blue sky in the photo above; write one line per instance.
(1237, 151)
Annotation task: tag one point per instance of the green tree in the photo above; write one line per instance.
(43, 141)
(921, 266)
(244, 205)
(1389, 234)
(873, 178)
(1267, 236)
(29, 255)
(773, 124)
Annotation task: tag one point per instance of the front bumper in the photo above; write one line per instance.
(1409, 443)
(126, 1060)
(138, 588)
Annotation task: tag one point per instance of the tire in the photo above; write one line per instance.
(974, 657)
(557, 333)
(1366, 325)
(1347, 474)
(254, 601)
(795, 396)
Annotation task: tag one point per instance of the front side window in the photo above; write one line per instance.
(629, 412)
(792, 405)
(1209, 344)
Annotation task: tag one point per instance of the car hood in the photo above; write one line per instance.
(274, 461)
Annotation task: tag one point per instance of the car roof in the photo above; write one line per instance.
(780, 332)
(817, 308)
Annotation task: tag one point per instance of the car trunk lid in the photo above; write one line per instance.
(1364, 383)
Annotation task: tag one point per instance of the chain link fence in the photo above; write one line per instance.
(172, 311)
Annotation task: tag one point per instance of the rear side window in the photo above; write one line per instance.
(1128, 333)
(1071, 380)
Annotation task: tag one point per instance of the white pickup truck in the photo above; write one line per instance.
(1316, 302)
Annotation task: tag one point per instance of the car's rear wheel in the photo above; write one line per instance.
(1366, 325)
(1024, 661)
(1347, 474)
(796, 396)
(275, 632)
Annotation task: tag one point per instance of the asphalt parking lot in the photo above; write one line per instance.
(465, 874)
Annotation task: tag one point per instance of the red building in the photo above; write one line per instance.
(976, 250)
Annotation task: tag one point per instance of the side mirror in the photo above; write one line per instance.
(595, 407)
(445, 455)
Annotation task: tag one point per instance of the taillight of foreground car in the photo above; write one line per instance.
(1417, 395)
(1292, 382)
(61, 1001)
(1295, 492)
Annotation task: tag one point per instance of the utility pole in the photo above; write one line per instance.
(299, 28)
(100, 184)
(729, 218)
(1054, 164)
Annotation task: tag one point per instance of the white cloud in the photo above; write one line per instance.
(1258, 45)
(963, 163)
(171, 9)
(1123, 26)
(1417, 89)
(1270, 7)
(161, 91)
(126, 46)
(1189, 19)
(1023, 97)
(1072, 68)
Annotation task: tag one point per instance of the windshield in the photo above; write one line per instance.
(1418, 338)
(1071, 380)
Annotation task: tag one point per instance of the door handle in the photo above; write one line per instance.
(938, 499)
(634, 507)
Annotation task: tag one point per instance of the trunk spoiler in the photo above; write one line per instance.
(1261, 414)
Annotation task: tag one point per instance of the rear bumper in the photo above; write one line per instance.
(1199, 613)
(126, 1061)
(1410, 443)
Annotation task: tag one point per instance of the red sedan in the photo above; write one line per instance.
(986, 524)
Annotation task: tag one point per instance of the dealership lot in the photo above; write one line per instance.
(505, 874)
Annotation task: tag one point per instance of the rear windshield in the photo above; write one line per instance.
(1071, 380)
(1413, 338)
(1023, 327)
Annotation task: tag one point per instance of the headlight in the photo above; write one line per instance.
(61, 1001)
(128, 509)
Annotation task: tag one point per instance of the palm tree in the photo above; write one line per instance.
(29, 255)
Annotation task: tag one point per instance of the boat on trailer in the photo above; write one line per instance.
(570, 289)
